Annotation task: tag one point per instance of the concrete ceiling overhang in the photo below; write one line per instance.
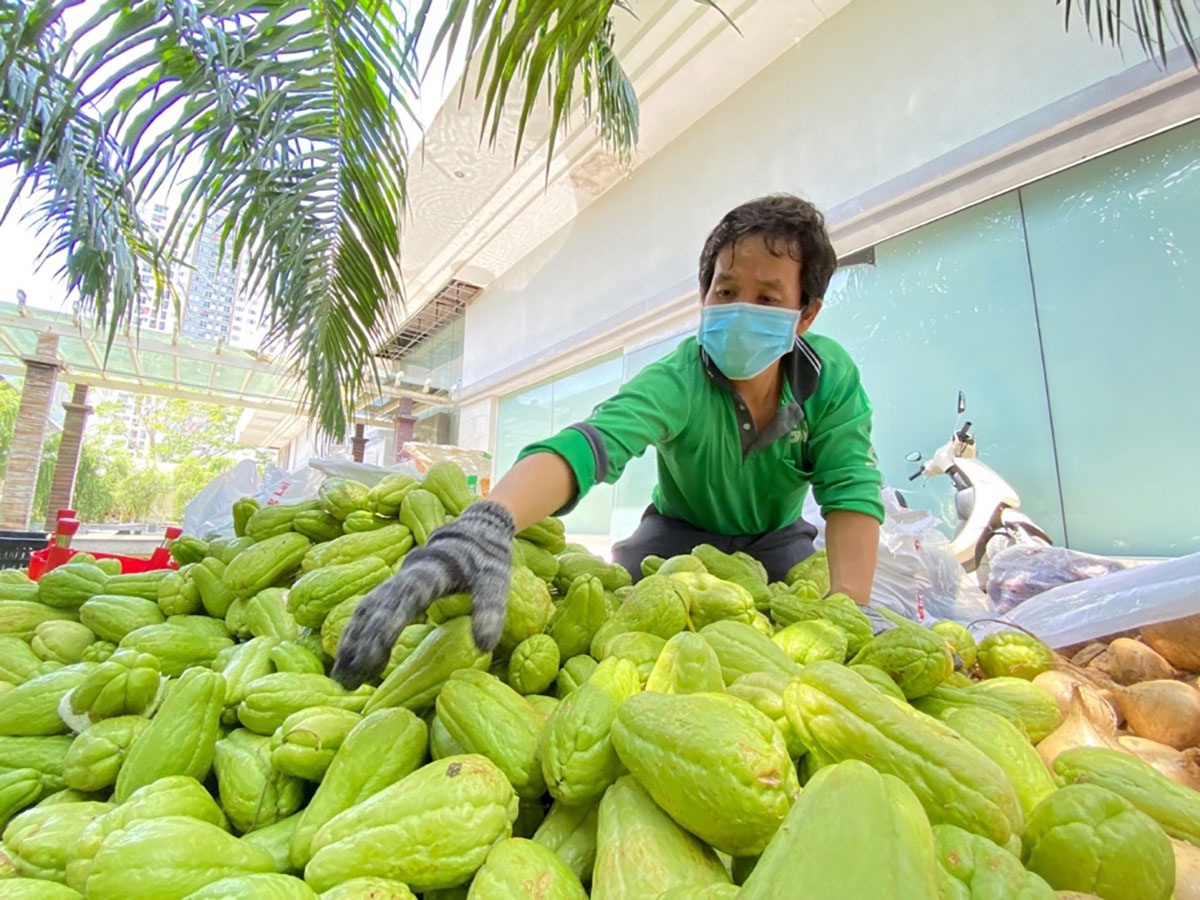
(473, 213)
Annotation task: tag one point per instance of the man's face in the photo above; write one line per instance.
(748, 272)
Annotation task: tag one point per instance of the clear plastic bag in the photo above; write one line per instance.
(1019, 573)
(1145, 594)
(916, 575)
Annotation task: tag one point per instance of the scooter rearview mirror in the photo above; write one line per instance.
(915, 456)
(962, 403)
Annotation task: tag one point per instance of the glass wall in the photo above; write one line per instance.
(1066, 311)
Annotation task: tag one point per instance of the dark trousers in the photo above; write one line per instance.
(659, 535)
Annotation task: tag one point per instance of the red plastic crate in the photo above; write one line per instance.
(54, 556)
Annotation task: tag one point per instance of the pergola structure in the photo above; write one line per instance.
(45, 347)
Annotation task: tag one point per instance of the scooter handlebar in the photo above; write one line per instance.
(915, 475)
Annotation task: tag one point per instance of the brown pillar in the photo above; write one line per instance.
(20, 480)
(358, 443)
(68, 455)
(405, 424)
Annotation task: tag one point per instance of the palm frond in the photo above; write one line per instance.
(1155, 23)
(563, 46)
(64, 157)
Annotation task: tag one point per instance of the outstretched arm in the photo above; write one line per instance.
(852, 541)
(473, 554)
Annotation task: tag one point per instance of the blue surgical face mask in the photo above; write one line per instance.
(743, 339)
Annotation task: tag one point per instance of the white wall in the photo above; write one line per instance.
(882, 88)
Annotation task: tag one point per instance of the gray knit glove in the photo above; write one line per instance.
(471, 555)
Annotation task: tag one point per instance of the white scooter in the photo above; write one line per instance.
(988, 520)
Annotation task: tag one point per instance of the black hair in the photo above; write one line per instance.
(787, 225)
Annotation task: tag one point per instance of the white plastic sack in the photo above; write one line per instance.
(916, 575)
(1142, 595)
(210, 512)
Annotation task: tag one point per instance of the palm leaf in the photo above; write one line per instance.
(1153, 22)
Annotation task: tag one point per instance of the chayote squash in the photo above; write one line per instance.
(383, 748)
(276, 519)
(570, 831)
(854, 834)
(39, 839)
(742, 649)
(18, 662)
(385, 497)
(440, 822)
(578, 617)
(1086, 838)
(16, 888)
(276, 839)
(578, 758)
(169, 857)
(1006, 745)
(1036, 709)
(574, 672)
(448, 482)
(317, 525)
(47, 755)
(658, 605)
(529, 609)
(789, 607)
(173, 795)
(687, 664)
(962, 644)
(272, 698)
(181, 735)
(388, 544)
(96, 755)
(811, 640)
(487, 717)
(639, 647)
(764, 691)
(410, 639)
(31, 709)
(882, 680)
(573, 563)
(364, 520)
(267, 615)
(1173, 806)
(19, 618)
(342, 496)
(179, 594)
(70, 586)
(253, 792)
(838, 716)
(111, 616)
(242, 665)
(176, 649)
(137, 584)
(716, 764)
(292, 656)
(517, 867)
(373, 889)
(711, 599)
(916, 658)
(421, 512)
(19, 788)
(538, 560)
(973, 868)
(1014, 653)
(214, 594)
(317, 592)
(642, 852)
(549, 534)
(243, 508)
(125, 684)
(260, 886)
(737, 568)
(62, 642)
(305, 744)
(814, 569)
(416, 682)
(533, 665)
(267, 563)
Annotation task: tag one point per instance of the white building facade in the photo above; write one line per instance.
(1021, 202)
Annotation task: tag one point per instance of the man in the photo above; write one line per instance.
(744, 417)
